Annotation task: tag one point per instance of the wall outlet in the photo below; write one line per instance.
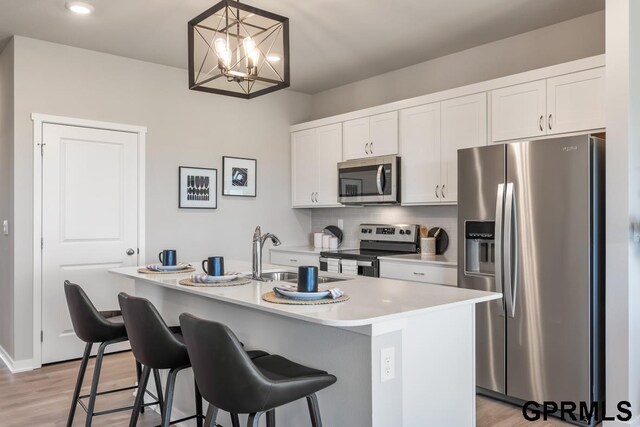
(5, 227)
(387, 364)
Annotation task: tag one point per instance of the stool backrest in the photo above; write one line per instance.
(224, 373)
(152, 342)
(88, 324)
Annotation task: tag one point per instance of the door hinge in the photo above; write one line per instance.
(41, 336)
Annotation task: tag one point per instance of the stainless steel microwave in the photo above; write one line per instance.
(375, 180)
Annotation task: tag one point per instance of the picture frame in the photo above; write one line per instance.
(197, 188)
(239, 176)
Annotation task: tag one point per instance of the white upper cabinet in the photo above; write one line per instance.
(464, 125)
(329, 143)
(576, 102)
(371, 136)
(519, 111)
(420, 152)
(315, 154)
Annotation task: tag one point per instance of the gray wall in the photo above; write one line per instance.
(6, 199)
(184, 128)
(563, 42)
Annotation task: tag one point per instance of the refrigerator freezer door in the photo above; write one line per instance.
(548, 319)
(480, 172)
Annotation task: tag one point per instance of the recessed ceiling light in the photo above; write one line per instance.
(79, 7)
(273, 58)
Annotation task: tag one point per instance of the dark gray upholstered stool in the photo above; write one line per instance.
(230, 380)
(93, 327)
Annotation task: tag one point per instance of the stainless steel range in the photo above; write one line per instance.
(376, 240)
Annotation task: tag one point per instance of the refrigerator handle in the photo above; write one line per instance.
(510, 249)
(498, 240)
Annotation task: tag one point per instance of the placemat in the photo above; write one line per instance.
(272, 297)
(235, 282)
(145, 270)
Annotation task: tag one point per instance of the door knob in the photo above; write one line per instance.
(130, 252)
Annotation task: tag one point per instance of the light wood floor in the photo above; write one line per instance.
(42, 398)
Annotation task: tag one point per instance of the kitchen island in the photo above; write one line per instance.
(425, 332)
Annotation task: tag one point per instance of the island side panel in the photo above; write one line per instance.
(438, 358)
(344, 353)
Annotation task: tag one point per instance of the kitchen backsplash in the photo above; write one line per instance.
(430, 216)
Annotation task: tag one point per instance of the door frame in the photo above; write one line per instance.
(39, 120)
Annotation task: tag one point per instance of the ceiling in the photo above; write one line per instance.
(332, 42)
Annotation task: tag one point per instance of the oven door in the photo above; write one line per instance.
(365, 268)
(369, 181)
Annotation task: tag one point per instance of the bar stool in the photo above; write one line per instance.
(231, 381)
(158, 346)
(92, 327)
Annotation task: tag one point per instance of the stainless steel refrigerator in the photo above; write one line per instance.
(530, 221)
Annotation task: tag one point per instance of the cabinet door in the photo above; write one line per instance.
(575, 102)
(294, 259)
(518, 111)
(384, 134)
(419, 272)
(304, 164)
(329, 149)
(420, 151)
(464, 125)
(356, 139)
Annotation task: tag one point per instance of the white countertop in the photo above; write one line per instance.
(448, 260)
(372, 300)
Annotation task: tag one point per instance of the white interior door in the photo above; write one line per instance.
(89, 222)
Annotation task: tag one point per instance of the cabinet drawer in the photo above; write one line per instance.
(294, 259)
(415, 272)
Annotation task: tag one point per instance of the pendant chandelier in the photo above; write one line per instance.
(238, 50)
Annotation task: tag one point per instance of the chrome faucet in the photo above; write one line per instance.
(258, 243)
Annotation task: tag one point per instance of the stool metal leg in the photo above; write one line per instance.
(314, 410)
(139, 402)
(168, 400)
(138, 375)
(271, 418)
(235, 420)
(156, 379)
(76, 392)
(198, 404)
(212, 416)
(94, 383)
(253, 419)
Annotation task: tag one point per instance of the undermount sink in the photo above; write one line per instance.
(286, 276)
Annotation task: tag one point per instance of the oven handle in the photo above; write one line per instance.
(360, 263)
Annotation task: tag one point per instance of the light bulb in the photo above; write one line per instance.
(224, 56)
(249, 46)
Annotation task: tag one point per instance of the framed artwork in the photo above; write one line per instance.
(239, 176)
(198, 188)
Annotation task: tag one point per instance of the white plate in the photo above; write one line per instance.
(304, 295)
(171, 267)
(225, 278)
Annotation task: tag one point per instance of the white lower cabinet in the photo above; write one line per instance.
(294, 259)
(419, 272)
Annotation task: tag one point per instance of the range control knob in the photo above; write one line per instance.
(364, 230)
(408, 232)
(401, 231)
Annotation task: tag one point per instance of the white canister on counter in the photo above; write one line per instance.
(326, 240)
(317, 240)
(333, 243)
(428, 245)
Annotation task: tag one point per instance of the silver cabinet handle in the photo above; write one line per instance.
(316, 197)
(510, 250)
(366, 146)
(442, 191)
(312, 196)
(293, 260)
(130, 251)
(550, 121)
(541, 121)
(498, 240)
(418, 273)
(437, 188)
(371, 147)
(379, 179)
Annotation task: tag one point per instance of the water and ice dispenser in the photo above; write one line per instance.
(480, 256)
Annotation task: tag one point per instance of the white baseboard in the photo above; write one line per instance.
(15, 367)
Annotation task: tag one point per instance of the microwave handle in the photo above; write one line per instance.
(379, 180)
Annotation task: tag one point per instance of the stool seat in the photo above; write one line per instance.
(276, 367)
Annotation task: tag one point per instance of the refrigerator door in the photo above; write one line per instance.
(547, 296)
(480, 173)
